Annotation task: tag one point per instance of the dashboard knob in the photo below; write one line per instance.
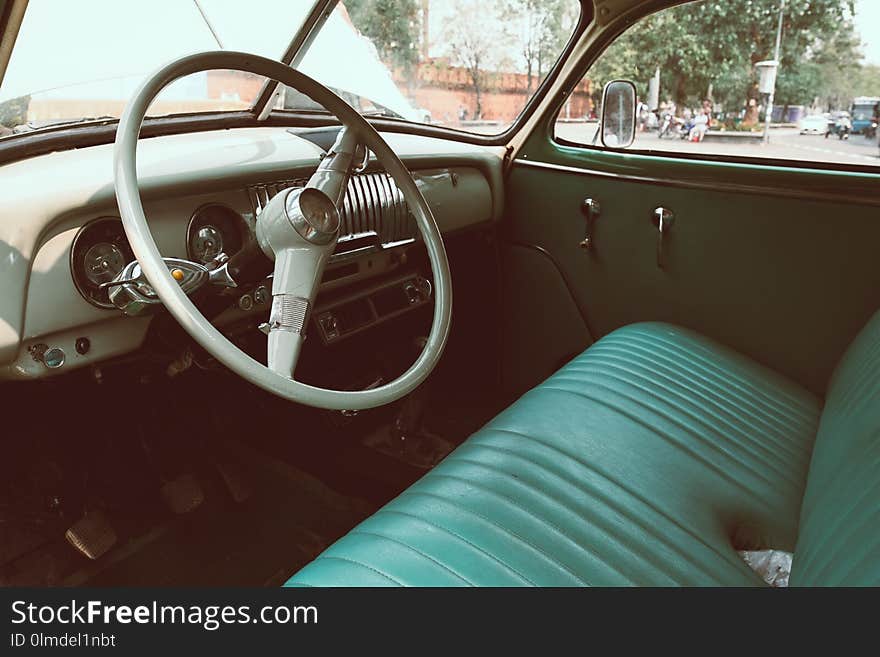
(53, 358)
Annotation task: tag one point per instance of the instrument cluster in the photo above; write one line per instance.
(101, 251)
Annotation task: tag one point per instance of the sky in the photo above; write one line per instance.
(63, 42)
(868, 23)
(106, 43)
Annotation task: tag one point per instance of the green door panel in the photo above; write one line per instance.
(788, 281)
(542, 326)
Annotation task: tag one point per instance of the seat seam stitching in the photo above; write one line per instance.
(530, 514)
(360, 532)
(461, 538)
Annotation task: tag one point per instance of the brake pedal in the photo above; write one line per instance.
(92, 535)
(183, 494)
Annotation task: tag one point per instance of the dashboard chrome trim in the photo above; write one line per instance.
(372, 204)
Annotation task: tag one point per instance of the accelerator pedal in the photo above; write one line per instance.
(182, 494)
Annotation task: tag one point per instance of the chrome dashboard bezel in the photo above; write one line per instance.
(241, 226)
(89, 225)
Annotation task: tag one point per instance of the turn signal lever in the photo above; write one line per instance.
(132, 293)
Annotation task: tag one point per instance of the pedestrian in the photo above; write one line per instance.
(700, 126)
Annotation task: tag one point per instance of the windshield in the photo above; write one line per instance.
(84, 59)
(470, 65)
(467, 64)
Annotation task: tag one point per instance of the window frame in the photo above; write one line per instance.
(606, 39)
(15, 147)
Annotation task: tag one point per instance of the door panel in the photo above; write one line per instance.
(755, 263)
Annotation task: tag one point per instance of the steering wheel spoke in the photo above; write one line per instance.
(295, 284)
(332, 175)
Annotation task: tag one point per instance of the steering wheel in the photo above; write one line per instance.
(298, 229)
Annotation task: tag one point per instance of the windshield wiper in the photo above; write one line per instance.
(382, 112)
(31, 126)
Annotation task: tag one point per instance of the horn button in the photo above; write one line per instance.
(313, 215)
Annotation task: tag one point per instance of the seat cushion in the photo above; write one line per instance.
(645, 461)
(839, 540)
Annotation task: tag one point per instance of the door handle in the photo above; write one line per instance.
(591, 211)
(663, 219)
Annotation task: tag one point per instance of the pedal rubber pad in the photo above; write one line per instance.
(93, 535)
(183, 494)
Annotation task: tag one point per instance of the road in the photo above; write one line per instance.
(785, 143)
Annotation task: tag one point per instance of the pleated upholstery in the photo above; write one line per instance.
(839, 541)
(645, 461)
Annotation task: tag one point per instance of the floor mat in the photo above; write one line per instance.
(289, 518)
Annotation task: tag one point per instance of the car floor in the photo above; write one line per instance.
(275, 482)
(288, 518)
(299, 488)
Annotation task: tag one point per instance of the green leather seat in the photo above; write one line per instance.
(839, 537)
(649, 460)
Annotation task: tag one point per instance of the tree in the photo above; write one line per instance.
(472, 36)
(13, 112)
(718, 42)
(541, 27)
(393, 26)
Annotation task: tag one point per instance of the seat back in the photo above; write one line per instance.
(839, 534)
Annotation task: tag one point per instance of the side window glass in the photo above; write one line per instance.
(795, 80)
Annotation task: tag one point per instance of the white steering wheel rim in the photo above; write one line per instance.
(182, 308)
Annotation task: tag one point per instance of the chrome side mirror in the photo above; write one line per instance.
(618, 114)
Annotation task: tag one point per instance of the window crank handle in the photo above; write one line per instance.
(663, 219)
(591, 210)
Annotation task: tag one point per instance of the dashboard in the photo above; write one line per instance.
(203, 193)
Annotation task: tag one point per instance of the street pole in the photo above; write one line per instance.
(769, 113)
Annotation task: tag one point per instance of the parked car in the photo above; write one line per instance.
(814, 124)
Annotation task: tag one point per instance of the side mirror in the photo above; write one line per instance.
(618, 114)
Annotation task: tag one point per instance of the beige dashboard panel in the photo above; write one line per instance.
(44, 200)
(53, 302)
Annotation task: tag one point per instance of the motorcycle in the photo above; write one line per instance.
(841, 128)
(673, 126)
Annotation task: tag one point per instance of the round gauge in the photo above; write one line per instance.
(206, 243)
(102, 262)
(100, 251)
(214, 229)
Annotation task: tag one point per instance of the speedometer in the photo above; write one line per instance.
(214, 229)
(102, 262)
(206, 243)
(99, 253)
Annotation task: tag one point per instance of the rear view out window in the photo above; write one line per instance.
(712, 82)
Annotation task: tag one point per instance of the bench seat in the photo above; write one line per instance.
(648, 460)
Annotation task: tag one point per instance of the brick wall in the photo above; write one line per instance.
(443, 90)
